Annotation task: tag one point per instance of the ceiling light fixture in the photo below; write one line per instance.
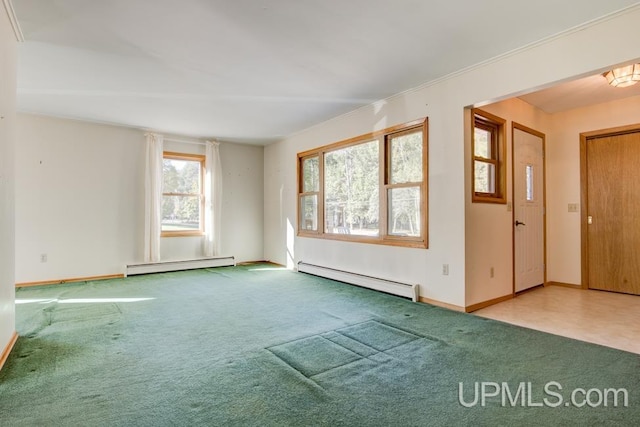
(623, 76)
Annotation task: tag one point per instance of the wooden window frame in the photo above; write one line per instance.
(302, 193)
(496, 126)
(383, 137)
(188, 157)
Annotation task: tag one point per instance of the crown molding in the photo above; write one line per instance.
(11, 13)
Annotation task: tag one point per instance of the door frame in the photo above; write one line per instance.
(523, 128)
(584, 192)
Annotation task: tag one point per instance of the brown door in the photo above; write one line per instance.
(613, 212)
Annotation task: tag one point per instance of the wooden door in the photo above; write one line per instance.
(528, 200)
(613, 212)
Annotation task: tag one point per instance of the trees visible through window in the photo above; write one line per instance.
(405, 178)
(182, 197)
(368, 189)
(488, 158)
(351, 190)
(309, 194)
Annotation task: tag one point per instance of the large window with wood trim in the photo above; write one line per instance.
(182, 194)
(488, 148)
(371, 189)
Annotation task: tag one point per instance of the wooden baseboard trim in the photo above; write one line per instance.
(441, 304)
(478, 306)
(74, 279)
(275, 264)
(564, 285)
(8, 348)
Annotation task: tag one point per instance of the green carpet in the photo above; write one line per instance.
(254, 345)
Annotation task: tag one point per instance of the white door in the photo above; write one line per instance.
(528, 201)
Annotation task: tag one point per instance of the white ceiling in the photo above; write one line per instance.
(258, 70)
(578, 93)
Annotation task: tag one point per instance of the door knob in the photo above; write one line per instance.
(519, 223)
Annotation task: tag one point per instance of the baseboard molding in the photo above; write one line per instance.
(7, 350)
(71, 280)
(564, 285)
(166, 266)
(376, 283)
(275, 264)
(478, 306)
(442, 304)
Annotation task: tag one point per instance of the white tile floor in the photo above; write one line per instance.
(605, 318)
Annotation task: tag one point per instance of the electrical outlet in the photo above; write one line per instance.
(445, 269)
(43, 258)
(491, 272)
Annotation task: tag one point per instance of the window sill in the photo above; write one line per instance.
(181, 233)
(417, 242)
(489, 199)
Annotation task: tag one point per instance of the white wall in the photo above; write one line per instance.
(489, 226)
(242, 204)
(563, 179)
(7, 177)
(242, 201)
(587, 51)
(80, 200)
(401, 264)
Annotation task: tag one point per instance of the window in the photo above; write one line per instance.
(405, 181)
(182, 194)
(351, 190)
(488, 145)
(368, 189)
(309, 194)
(528, 174)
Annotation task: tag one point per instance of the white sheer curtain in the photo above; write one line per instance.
(153, 198)
(212, 199)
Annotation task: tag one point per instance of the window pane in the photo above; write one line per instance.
(180, 213)
(351, 180)
(309, 212)
(485, 181)
(482, 143)
(404, 211)
(406, 158)
(181, 176)
(310, 175)
(529, 181)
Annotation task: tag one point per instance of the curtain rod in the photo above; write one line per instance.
(184, 141)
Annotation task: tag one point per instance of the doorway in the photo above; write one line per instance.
(528, 207)
(610, 180)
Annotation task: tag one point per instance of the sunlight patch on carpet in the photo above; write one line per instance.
(83, 313)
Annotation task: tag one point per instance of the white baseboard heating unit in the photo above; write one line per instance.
(389, 286)
(165, 266)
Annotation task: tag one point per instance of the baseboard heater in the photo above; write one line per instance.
(389, 286)
(165, 266)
